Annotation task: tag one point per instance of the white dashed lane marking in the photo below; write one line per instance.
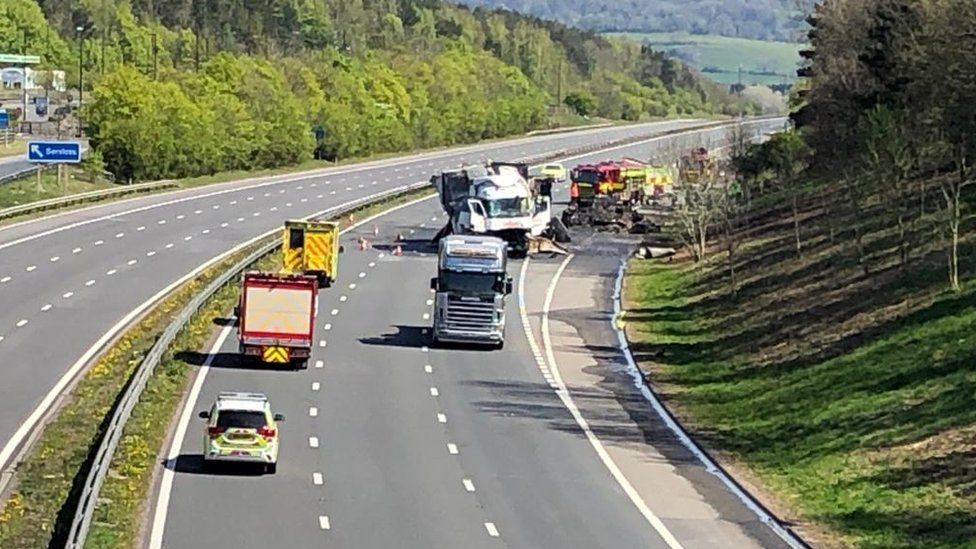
(429, 369)
(161, 222)
(362, 275)
(119, 235)
(327, 327)
(434, 392)
(5, 280)
(224, 224)
(313, 412)
(188, 238)
(99, 242)
(343, 298)
(323, 343)
(76, 251)
(90, 283)
(352, 286)
(181, 216)
(324, 523)
(492, 530)
(55, 259)
(68, 295)
(170, 245)
(111, 272)
(441, 418)
(141, 228)
(150, 254)
(46, 308)
(468, 485)
(317, 479)
(31, 268)
(316, 385)
(313, 442)
(22, 322)
(452, 448)
(132, 262)
(319, 363)
(335, 312)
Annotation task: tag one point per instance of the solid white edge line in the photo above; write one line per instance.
(166, 484)
(683, 435)
(563, 393)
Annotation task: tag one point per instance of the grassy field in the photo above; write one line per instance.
(848, 398)
(719, 57)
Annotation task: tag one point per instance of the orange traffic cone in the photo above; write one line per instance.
(398, 250)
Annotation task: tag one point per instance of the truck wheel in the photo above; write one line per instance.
(500, 345)
(300, 363)
(271, 468)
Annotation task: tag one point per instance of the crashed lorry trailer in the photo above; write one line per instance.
(498, 199)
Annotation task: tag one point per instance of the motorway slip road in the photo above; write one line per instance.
(392, 443)
(68, 282)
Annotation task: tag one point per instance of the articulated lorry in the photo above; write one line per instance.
(499, 200)
(471, 287)
(276, 316)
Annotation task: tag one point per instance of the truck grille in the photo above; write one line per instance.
(475, 316)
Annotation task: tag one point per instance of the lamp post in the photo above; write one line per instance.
(81, 71)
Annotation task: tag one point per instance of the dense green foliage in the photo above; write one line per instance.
(253, 82)
(759, 19)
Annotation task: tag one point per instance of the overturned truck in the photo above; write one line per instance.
(499, 200)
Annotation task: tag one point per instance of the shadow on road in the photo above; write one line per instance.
(410, 245)
(225, 321)
(229, 360)
(404, 336)
(193, 464)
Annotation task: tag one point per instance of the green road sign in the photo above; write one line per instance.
(20, 59)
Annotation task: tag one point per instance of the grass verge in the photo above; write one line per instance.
(847, 398)
(42, 503)
(14, 147)
(28, 189)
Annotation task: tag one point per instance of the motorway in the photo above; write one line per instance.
(391, 443)
(78, 277)
(12, 165)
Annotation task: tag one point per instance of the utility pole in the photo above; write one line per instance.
(81, 72)
(559, 85)
(154, 55)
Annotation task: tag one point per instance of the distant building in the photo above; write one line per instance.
(13, 78)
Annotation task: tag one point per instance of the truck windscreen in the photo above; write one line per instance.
(468, 283)
(508, 207)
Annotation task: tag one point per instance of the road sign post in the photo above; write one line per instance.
(54, 152)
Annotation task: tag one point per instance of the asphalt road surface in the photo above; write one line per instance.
(69, 281)
(391, 443)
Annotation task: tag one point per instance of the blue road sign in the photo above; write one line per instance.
(4, 120)
(52, 152)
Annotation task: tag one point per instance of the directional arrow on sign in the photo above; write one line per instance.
(36, 150)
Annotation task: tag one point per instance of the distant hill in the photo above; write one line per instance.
(758, 19)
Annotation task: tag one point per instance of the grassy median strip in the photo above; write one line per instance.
(42, 503)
